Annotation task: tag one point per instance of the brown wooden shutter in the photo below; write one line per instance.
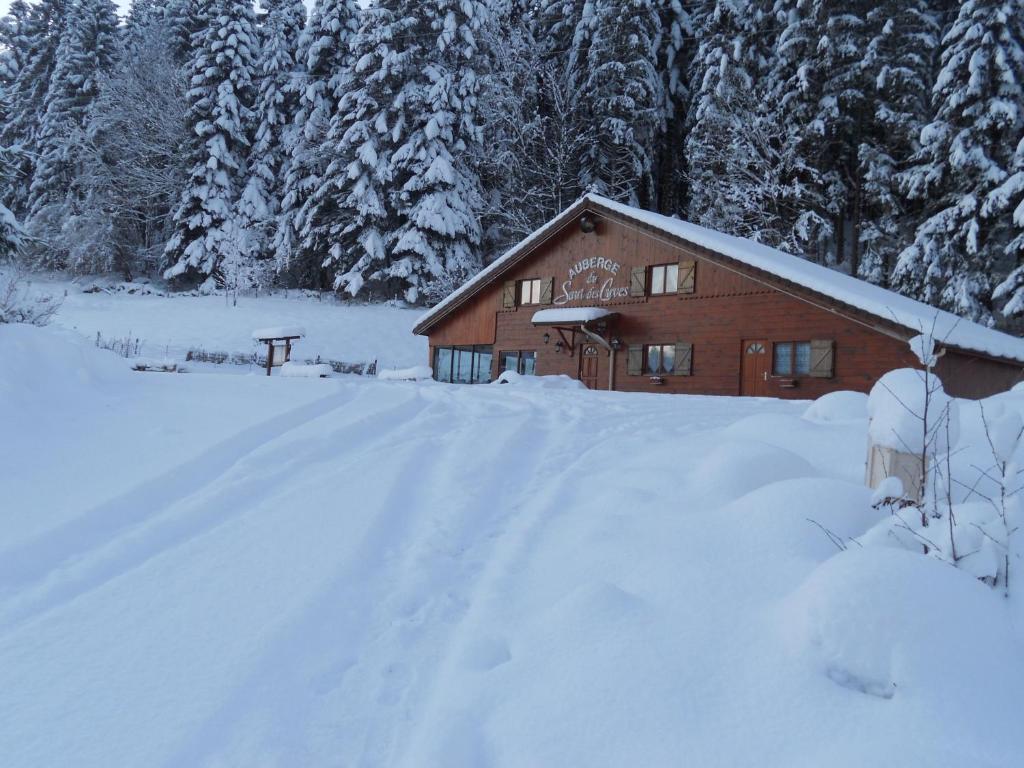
(638, 281)
(547, 290)
(635, 360)
(687, 276)
(822, 358)
(684, 359)
(508, 295)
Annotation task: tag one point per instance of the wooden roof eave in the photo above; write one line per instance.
(557, 226)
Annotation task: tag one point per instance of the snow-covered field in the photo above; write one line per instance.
(168, 326)
(251, 571)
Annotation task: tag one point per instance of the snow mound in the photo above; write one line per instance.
(561, 381)
(302, 371)
(896, 407)
(838, 406)
(734, 468)
(801, 517)
(415, 373)
(892, 624)
(50, 365)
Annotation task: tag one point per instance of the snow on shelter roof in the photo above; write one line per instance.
(915, 316)
(279, 332)
(570, 315)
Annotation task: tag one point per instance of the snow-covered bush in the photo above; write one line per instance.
(960, 505)
(19, 304)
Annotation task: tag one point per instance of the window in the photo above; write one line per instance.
(664, 279)
(660, 359)
(529, 291)
(521, 361)
(463, 365)
(792, 358)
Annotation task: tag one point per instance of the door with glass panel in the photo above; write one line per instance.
(588, 365)
(755, 366)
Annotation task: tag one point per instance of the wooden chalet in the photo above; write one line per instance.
(625, 299)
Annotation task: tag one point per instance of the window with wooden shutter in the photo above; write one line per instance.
(635, 360)
(687, 276)
(822, 358)
(547, 290)
(638, 281)
(508, 295)
(684, 359)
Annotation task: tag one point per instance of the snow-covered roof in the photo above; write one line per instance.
(279, 332)
(570, 315)
(858, 294)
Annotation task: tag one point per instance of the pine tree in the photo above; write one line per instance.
(14, 50)
(967, 153)
(184, 19)
(1007, 200)
(625, 95)
(792, 94)
(437, 195)
(302, 240)
(220, 113)
(87, 51)
(675, 53)
(27, 95)
(897, 73)
(276, 106)
(730, 59)
(359, 180)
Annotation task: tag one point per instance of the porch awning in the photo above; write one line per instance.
(570, 315)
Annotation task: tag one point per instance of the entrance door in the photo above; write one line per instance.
(756, 364)
(588, 365)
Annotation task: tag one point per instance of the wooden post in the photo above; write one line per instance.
(270, 355)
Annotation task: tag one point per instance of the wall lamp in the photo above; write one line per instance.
(587, 224)
(547, 337)
(558, 346)
(616, 343)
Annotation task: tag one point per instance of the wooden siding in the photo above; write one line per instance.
(730, 304)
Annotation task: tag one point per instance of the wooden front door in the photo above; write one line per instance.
(588, 365)
(756, 364)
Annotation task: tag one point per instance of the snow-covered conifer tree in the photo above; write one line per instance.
(26, 96)
(276, 106)
(87, 52)
(624, 93)
(675, 52)
(730, 58)
(437, 195)
(897, 67)
(967, 153)
(358, 180)
(792, 95)
(184, 18)
(220, 113)
(302, 240)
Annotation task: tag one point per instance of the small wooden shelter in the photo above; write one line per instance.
(279, 343)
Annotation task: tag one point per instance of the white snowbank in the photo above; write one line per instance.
(250, 570)
(838, 406)
(301, 371)
(278, 332)
(897, 407)
(560, 381)
(415, 373)
(570, 315)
